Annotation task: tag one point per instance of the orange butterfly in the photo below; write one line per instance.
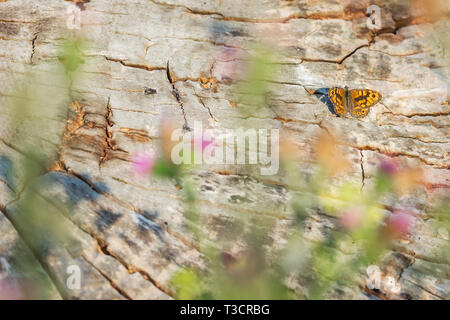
(357, 101)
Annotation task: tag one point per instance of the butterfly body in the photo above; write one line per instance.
(356, 101)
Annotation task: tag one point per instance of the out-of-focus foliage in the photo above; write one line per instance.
(37, 113)
(250, 272)
(363, 231)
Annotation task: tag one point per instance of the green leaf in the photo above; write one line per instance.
(383, 183)
(165, 169)
(187, 284)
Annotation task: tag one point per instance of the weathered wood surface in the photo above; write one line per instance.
(130, 231)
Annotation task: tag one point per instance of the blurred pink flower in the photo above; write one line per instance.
(228, 64)
(10, 290)
(400, 224)
(350, 219)
(202, 142)
(143, 163)
(388, 166)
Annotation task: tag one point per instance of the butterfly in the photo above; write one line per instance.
(355, 101)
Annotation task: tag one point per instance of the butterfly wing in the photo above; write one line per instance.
(337, 97)
(361, 100)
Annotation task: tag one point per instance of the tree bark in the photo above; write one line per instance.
(130, 231)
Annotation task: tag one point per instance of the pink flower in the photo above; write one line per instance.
(400, 224)
(202, 142)
(388, 166)
(143, 163)
(350, 220)
(227, 64)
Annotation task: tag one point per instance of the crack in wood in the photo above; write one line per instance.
(108, 143)
(341, 61)
(206, 107)
(33, 47)
(177, 96)
(344, 15)
(113, 284)
(411, 115)
(363, 175)
(135, 65)
(399, 153)
(131, 268)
